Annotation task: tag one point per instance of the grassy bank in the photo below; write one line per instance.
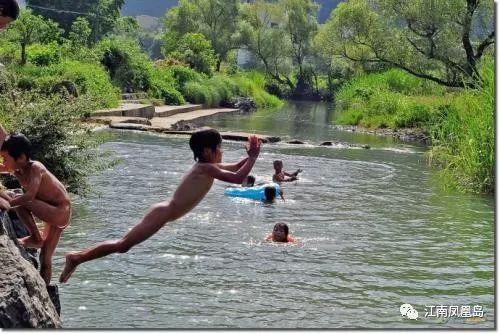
(459, 122)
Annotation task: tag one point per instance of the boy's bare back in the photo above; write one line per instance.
(192, 189)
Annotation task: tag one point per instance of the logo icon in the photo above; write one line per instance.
(408, 311)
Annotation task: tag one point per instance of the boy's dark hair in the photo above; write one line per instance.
(16, 145)
(208, 138)
(9, 8)
(270, 193)
(275, 162)
(281, 226)
(251, 180)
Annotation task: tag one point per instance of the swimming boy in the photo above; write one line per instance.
(281, 176)
(271, 192)
(280, 234)
(9, 11)
(44, 196)
(206, 146)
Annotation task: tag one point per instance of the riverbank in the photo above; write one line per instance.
(457, 124)
(409, 135)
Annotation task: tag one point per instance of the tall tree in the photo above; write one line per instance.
(30, 28)
(264, 39)
(215, 19)
(438, 40)
(80, 33)
(301, 25)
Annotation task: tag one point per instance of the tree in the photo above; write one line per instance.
(215, 19)
(127, 26)
(280, 35)
(80, 33)
(194, 50)
(437, 40)
(29, 29)
(301, 25)
(101, 14)
(262, 37)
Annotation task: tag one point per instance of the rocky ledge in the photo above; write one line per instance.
(24, 299)
(405, 134)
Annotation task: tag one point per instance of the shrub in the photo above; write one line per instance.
(183, 74)
(64, 145)
(129, 68)
(90, 79)
(44, 55)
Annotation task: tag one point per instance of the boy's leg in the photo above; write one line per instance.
(34, 240)
(157, 216)
(57, 216)
(53, 235)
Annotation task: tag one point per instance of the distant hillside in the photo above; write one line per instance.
(157, 8)
(148, 22)
(154, 8)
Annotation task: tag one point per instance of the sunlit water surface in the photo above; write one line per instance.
(375, 231)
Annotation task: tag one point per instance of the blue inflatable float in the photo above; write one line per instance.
(255, 193)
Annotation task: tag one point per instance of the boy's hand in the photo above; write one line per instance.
(253, 146)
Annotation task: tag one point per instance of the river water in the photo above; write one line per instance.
(376, 230)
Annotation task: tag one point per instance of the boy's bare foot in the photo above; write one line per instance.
(69, 267)
(30, 242)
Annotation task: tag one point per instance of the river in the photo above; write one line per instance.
(376, 230)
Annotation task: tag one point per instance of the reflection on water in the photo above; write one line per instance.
(375, 231)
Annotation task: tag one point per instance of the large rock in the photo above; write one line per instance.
(24, 300)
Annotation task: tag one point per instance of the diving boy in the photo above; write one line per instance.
(44, 196)
(281, 176)
(206, 147)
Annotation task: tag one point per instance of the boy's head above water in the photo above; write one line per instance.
(280, 232)
(278, 165)
(206, 146)
(249, 181)
(269, 193)
(16, 151)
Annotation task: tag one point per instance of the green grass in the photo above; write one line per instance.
(460, 123)
(463, 137)
(221, 88)
(90, 79)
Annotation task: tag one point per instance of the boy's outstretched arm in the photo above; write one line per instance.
(227, 176)
(233, 167)
(294, 173)
(253, 150)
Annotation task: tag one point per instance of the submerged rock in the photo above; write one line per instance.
(184, 126)
(24, 300)
(243, 103)
(295, 141)
(326, 143)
